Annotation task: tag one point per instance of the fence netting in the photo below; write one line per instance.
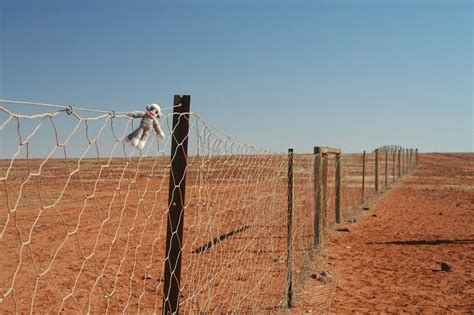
(83, 214)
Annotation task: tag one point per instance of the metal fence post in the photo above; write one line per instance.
(338, 187)
(376, 170)
(416, 157)
(176, 201)
(363, 175)
(289, 272)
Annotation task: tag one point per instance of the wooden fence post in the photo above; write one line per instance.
(393, 167)
(363, 175)
(416, 157)
(403, 162)
(176, 201)
(338, 187)
(407, 155)
(386, 169)
(376, 170)
(318, 195)
(399, 163)
(409, 160)
(325, 194)
(289, 274)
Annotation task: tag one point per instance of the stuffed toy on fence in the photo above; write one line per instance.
(149, 121)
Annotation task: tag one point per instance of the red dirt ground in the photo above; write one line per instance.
(389, 261)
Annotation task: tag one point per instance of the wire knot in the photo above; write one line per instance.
(69, 110)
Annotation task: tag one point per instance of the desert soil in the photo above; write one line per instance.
(390, 260)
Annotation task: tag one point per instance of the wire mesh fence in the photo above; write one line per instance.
(85, 217)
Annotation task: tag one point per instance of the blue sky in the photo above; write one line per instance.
(278, 74)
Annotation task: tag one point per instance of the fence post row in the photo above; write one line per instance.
(376, 170)
(289, 272)
(176, 200)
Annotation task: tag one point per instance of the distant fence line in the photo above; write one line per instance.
(228, 227)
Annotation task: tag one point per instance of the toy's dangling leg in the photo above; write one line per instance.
(134, 137)
(143, 140)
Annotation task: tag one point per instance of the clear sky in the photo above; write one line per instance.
(278, 74)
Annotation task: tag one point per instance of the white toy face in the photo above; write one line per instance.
(155, 109)
(157, 112)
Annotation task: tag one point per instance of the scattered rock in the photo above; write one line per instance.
(147, 277)
(344, 229)
(441, 213)
(446, 267)
(374, 215)
(327, 274)
(458, 204)
(324, 276)
(365, 208)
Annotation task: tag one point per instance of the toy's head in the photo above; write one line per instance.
(154, 109)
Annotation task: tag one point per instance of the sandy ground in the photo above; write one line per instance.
(390, 260)
(91, 250)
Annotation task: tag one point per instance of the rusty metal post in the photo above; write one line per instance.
(289, 272)
(377, 170)
(318, 195)
(338, 187)
(176, 201)
(363, 175)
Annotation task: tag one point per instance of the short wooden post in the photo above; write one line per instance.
(363, 175)
(338, 187)
(176, 201)
(318, 195)
(376, 170)
(289, 253)
(386, 169)
(416, 157)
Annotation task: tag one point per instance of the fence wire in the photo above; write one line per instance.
(83, 214)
